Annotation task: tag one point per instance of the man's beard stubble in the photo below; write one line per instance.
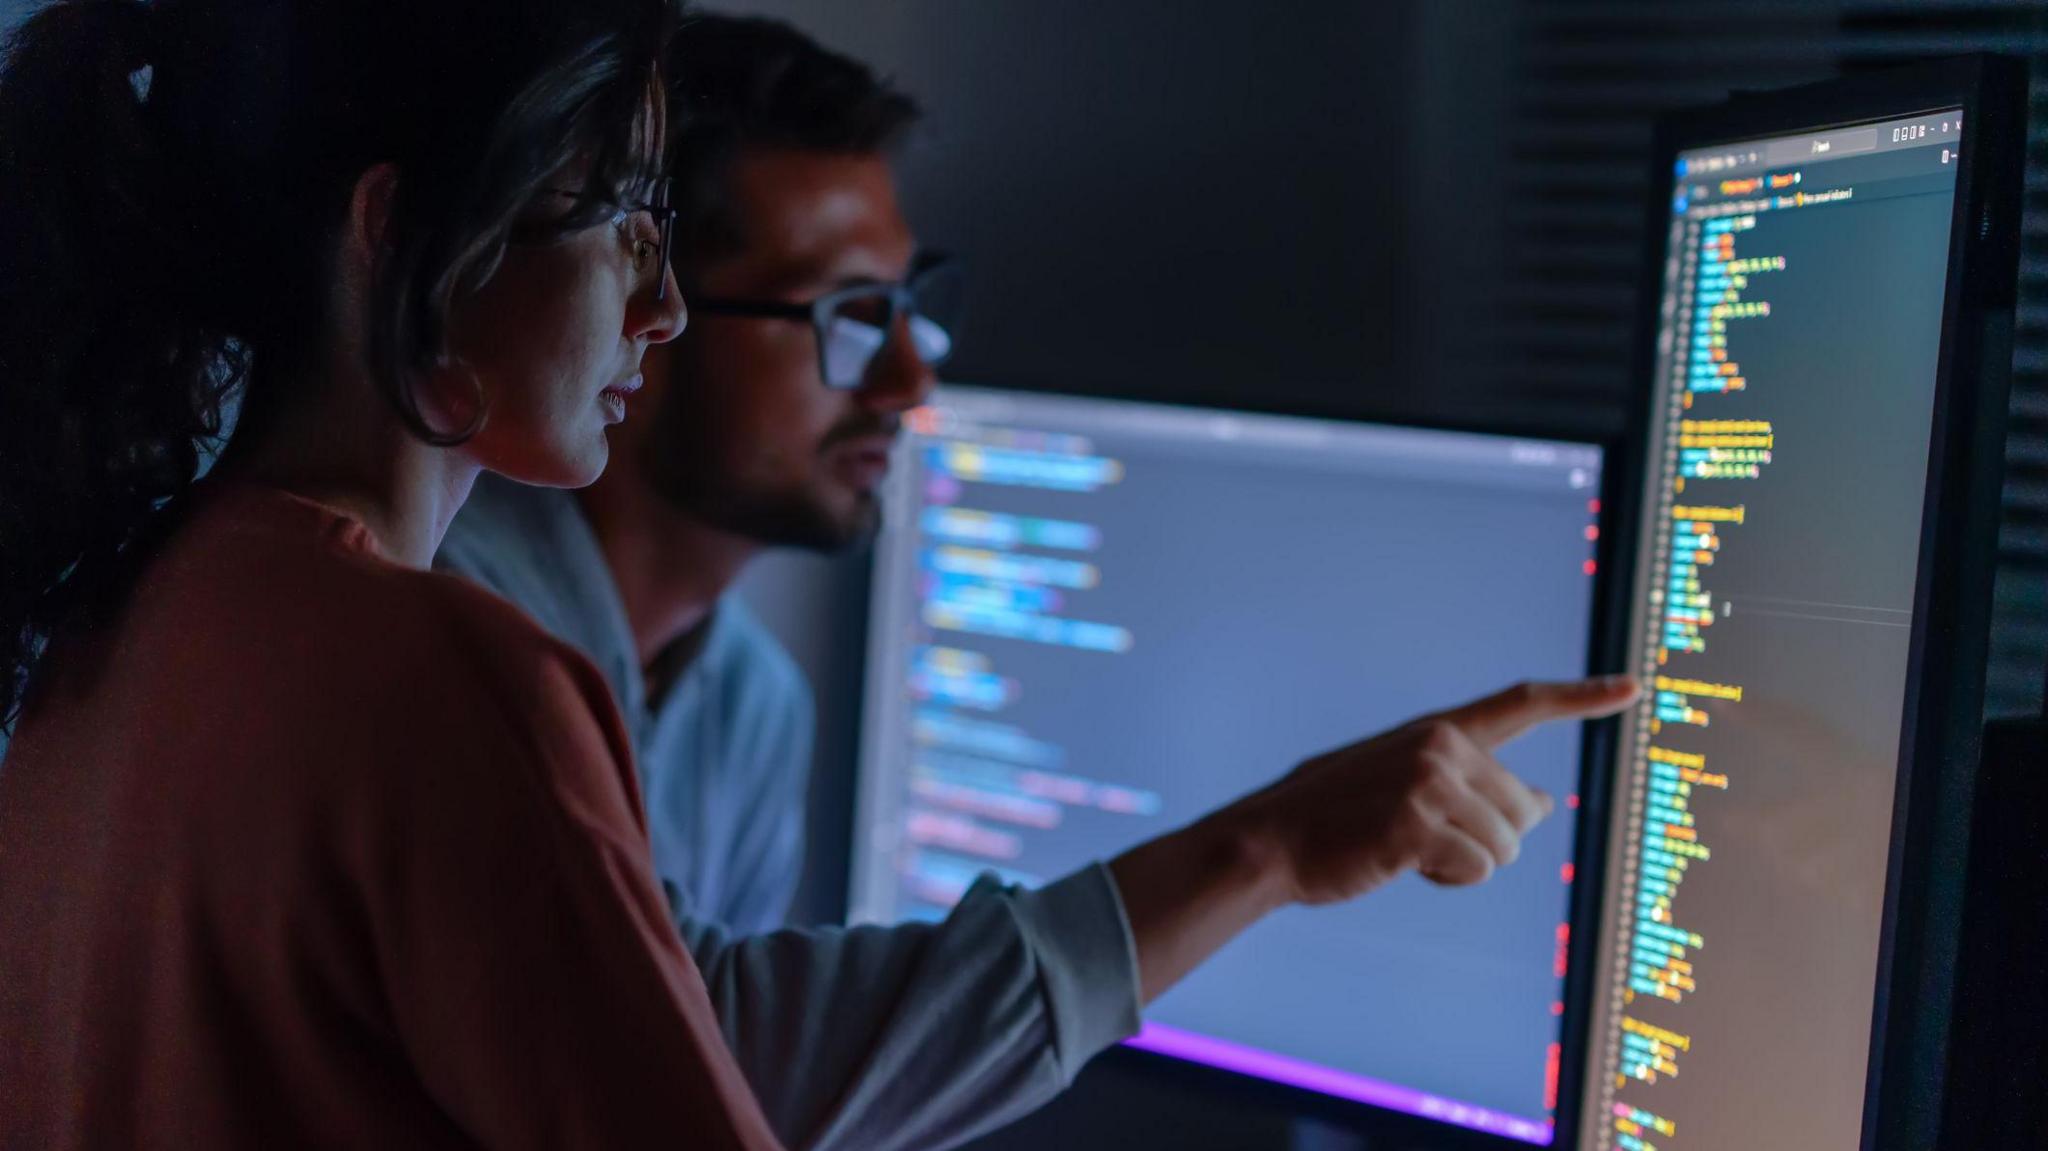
(775, 516)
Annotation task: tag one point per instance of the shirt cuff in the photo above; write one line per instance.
(1087, 962)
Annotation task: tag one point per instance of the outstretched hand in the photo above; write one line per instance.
(1427, 796)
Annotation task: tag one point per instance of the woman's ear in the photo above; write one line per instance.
(359, 249)
(369, 211)
(362, 246)
(449, 399)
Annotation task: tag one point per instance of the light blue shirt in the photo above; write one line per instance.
(863, 1039)
(724, 754)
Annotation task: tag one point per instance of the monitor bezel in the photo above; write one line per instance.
(1942, 721)
(1595, 758)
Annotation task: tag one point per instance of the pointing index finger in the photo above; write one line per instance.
(1501, 717)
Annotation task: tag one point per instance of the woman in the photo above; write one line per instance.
(300, 845)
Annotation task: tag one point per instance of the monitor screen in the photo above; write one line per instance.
(1094, 621)
(1771, 610)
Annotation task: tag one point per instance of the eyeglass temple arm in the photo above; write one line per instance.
(718, 306)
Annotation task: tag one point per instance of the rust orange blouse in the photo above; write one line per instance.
(310, 849)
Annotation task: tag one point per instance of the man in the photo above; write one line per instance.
(735, 444)
(768, 423)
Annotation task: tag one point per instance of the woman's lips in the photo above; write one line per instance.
(614, 397)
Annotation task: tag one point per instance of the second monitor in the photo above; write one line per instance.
(1094, 621)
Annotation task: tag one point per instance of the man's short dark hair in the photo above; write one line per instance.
(747, 82)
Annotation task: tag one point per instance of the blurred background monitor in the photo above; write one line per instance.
(1092, 621)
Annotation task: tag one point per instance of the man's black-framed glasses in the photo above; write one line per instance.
(853, 324)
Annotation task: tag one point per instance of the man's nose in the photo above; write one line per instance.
(897, 379)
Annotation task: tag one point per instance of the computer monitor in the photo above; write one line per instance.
(1815, 514)
(1094, 621)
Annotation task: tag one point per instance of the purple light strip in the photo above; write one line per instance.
(1314, 1077)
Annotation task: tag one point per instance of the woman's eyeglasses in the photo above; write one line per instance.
(853, 324)
(665, 223)
(657, 207)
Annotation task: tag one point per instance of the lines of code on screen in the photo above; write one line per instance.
(1096, 621)
(1792, 415)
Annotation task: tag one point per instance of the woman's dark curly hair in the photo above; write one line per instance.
(173, 178)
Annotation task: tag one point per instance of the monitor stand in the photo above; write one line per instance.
(1998, 1053)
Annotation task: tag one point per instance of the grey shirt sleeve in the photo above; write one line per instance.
(924, 1035)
